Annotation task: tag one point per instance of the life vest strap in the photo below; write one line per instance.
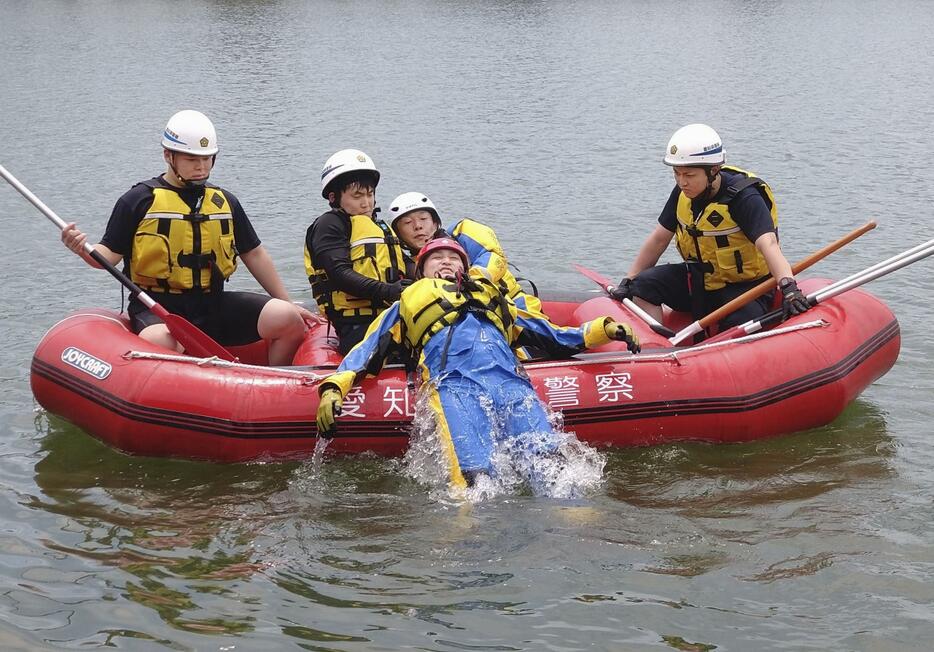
(163, 288)
(191, 217)
(197, 261)
(694, 232)
(739, 185)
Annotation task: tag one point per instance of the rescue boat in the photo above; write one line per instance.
(91, 370)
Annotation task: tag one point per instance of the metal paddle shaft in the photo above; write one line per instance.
(606, 286)
(766, 286)
(195, 341)
(854, 280)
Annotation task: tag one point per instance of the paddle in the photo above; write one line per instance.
(766, 286)
(854, 280)
(195, 341)
(606, 286)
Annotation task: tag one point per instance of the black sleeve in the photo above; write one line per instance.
(751, 214)
(552, 348)
(125, 218)
(244, 234)
(668, 217)
(329, 240)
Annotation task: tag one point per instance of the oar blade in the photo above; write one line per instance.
(607, 286)
(602, 281)
(195, 341)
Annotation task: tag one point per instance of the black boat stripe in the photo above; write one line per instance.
(378, 429)
(206, 424)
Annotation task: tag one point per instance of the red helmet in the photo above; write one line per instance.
(435, 245)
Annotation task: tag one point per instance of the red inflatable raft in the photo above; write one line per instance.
(141, 399)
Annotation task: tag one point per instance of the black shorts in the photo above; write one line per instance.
(669, 284)
(349, 335)
(228, 317)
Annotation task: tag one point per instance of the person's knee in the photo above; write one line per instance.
(645, 304)
(280, 319)
(159, 335)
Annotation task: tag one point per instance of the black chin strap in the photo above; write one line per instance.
(710, 179)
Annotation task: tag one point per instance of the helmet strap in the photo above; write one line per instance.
(711, 177)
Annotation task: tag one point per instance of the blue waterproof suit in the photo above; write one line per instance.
(462, 340)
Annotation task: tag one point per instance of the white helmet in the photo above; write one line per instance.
(342, 162)
(695, 145)
(412, 201)
(190, 132)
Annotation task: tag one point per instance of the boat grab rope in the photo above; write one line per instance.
(307, 377)
(817, 323)
(676, 355)
(310, 378)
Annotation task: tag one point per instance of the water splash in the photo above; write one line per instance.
(424, 459)
(309, 478)
(553, 463)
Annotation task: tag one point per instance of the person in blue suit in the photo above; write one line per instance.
(460, 328)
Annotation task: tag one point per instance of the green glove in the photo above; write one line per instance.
(617, 330)
(328, 409)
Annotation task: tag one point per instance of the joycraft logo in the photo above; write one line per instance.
(86, 363)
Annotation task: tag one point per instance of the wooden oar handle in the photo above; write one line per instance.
(802, 265)
(769, 283)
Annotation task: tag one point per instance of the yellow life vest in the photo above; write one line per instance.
(714, 238)
(177, 249)
(430, 304)
(374, 253)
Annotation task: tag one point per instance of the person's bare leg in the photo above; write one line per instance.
(281, 325)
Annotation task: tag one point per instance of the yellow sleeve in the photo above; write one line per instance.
(482, 247)
(595, 333)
